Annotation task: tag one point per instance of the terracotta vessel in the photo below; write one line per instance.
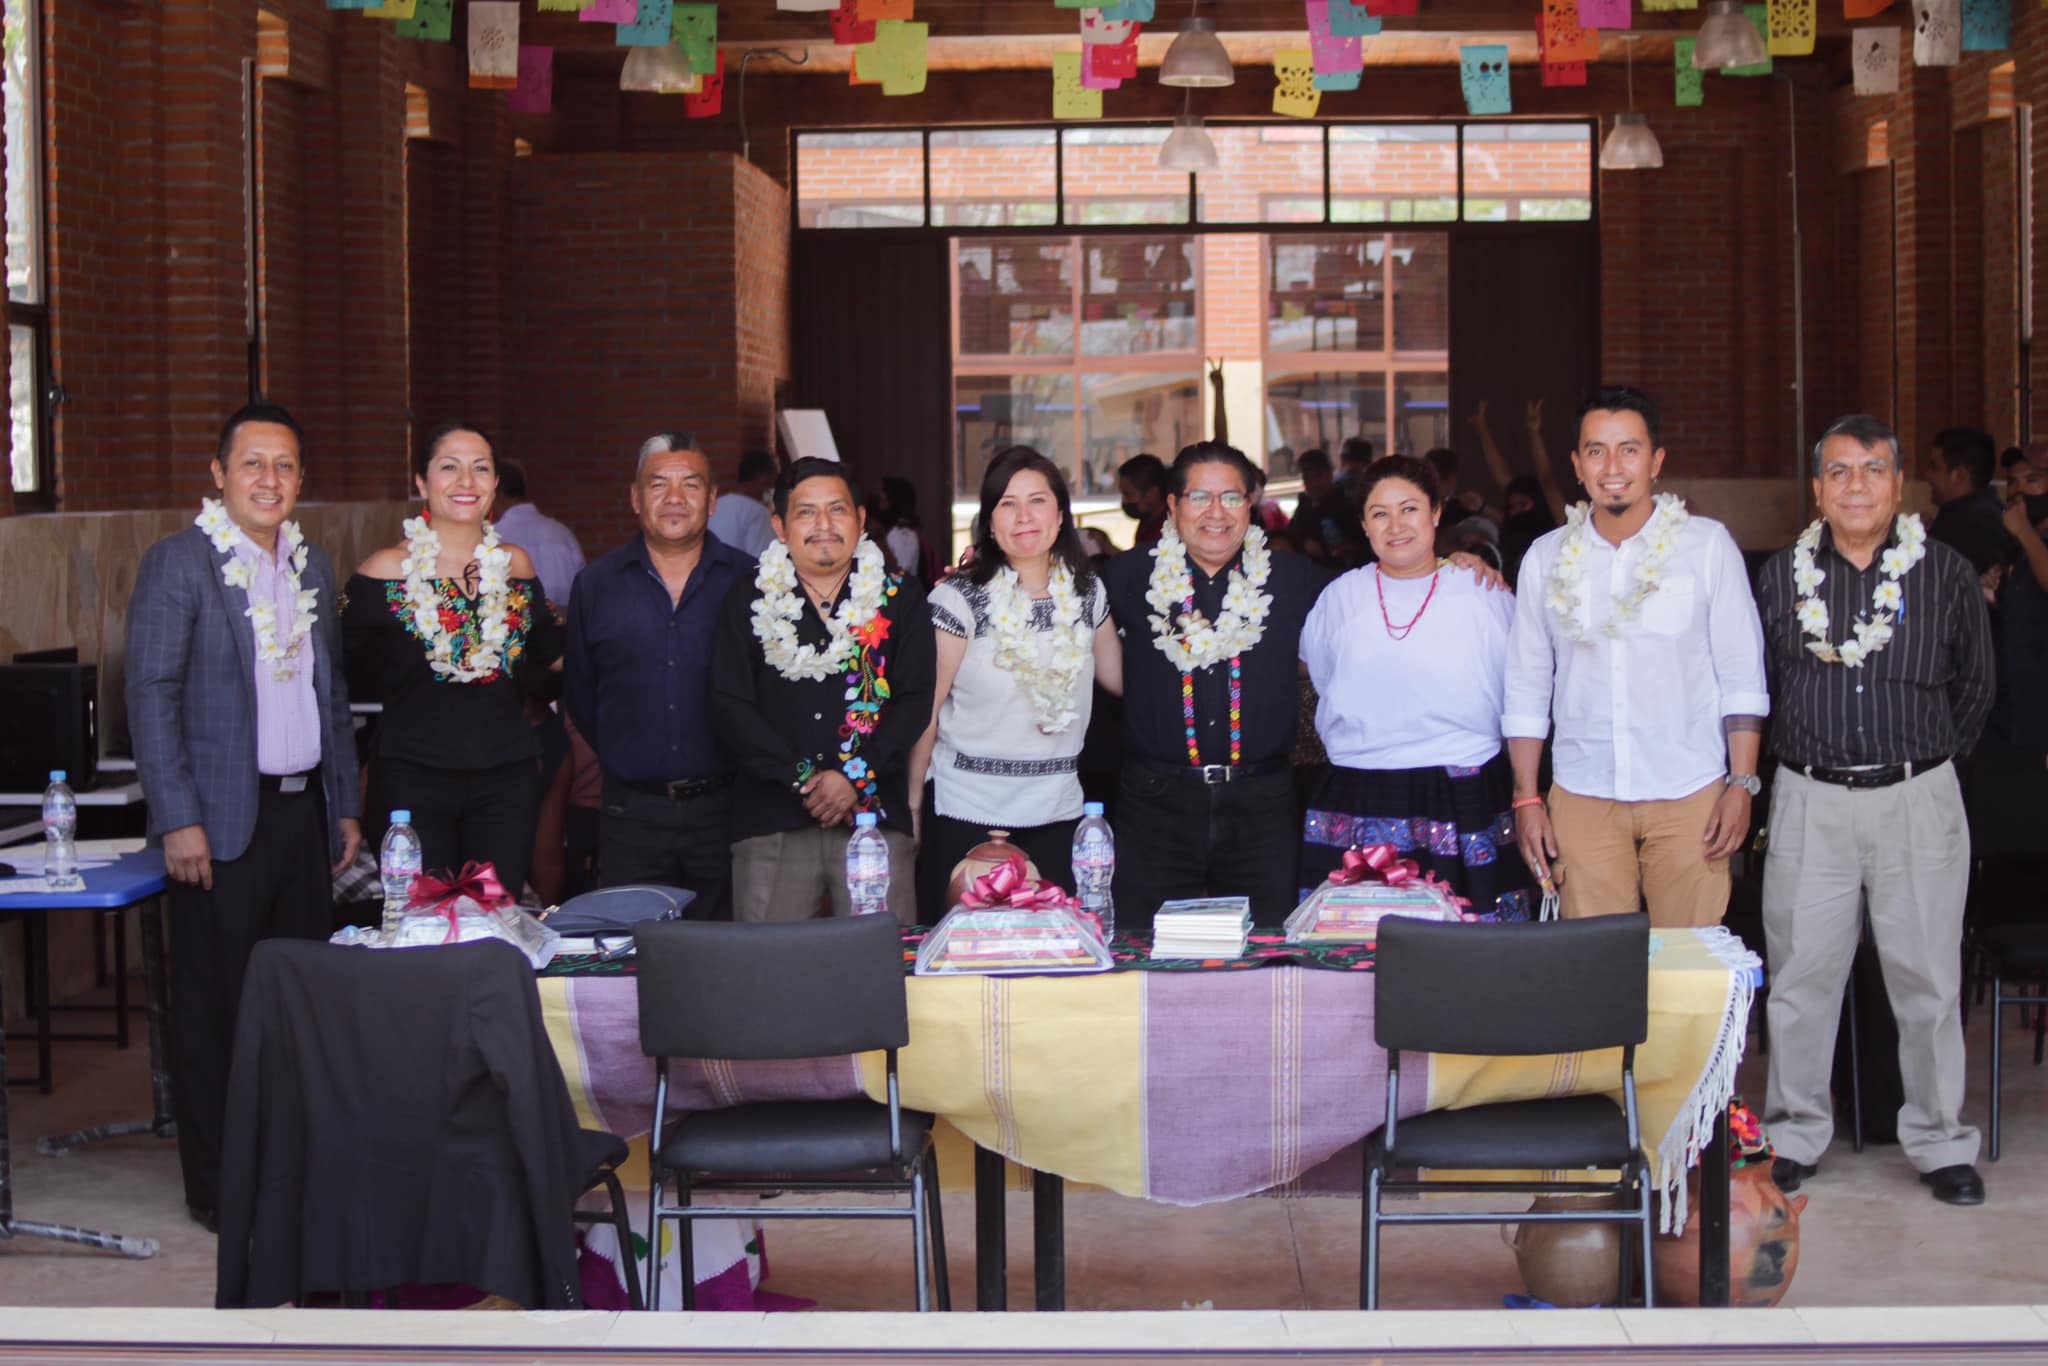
(1573, 1266)
(983, 858)
(1763, 1243)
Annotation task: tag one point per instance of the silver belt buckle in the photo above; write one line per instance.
(1215, 773)
(295, 782)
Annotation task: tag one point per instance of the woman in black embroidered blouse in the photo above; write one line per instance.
(450, 631)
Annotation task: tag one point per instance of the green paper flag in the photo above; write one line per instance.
(433, 20)
(1665, 6)
(897, 56)
(561, 6)
(1760, 19)
(1691, 88)
(696, 30)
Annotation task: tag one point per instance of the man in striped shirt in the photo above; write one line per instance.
(1881, 673)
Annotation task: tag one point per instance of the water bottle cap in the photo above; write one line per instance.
(1091, 808)
(863, 820)
(56, 775)
(401, 817)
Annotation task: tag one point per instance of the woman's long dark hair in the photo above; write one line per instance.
(1066, 546)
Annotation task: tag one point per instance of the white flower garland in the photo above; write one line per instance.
(1194, 643)
(1869, 636)
(777, 610)
(493, 609)
(1566, 597)
(1051, 686)
(281, 655)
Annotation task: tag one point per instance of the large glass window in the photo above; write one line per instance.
(1528, 172)
(994, 177)
(29, 453)
(1266, 173)
(1111, 176)
(1393, 173)
(860, 180)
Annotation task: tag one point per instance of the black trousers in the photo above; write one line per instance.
(488, 814)
(946, 841)
(280, 888)
(676, 843)
(1179, 837)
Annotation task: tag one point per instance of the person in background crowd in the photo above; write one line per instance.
(1881, 666)
(1460, 502)
(894, 522)
(1971, 517)
(1023, 637)
(557, 556)
(450, 630)
(1353, 458)
(1407, 659)
(637, 682)
(1529, 504)
(1325, 527)
(244, 746)
(740, 516)
(822, 675)
(1477, 535)
(1141, 483)
(1635, 627)
(2023, 475)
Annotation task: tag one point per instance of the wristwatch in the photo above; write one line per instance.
(1748, 782)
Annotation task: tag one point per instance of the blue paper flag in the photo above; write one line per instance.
(1987, 25)
(652, 27)
(1483, 73)
(353, 4)
(1348, 19)
(1137, 10)
(1338, 80)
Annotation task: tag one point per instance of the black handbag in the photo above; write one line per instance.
(610, 913)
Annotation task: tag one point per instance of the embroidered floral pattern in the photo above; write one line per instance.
(456, 619)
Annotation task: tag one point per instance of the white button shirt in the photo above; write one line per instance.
(1639, 711)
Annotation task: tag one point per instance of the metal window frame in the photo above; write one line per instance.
(34, 313)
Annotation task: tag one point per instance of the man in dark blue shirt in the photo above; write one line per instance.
(637, 683)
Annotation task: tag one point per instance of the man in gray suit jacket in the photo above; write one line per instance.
(243, 744)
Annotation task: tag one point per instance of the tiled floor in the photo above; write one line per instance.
(1871, 1235)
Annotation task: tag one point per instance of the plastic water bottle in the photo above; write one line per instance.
(867, 867)
(398, 863)
(1095, 866)
(60, 836)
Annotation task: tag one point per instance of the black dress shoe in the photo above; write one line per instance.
(1957, 1185)
(206, 1216)
(1788, 1172)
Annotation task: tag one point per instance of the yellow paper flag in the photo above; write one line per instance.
(1296, 95)
(1070, 100)
(1791, 25)
(896, 58)
(393, 9)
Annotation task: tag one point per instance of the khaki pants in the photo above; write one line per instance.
(789, 876)
(1617, 853)
(1907, 849)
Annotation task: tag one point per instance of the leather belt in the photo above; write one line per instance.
(288, 783)
(683, 789)
(1212, 774)
(1873, 775)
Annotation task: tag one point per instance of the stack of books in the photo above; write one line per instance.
(1204, 927)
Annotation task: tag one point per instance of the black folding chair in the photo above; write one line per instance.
(1505, 991)
(808, 989)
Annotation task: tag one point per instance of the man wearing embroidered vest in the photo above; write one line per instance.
(821, 681)
(1211, 624)
(245, 751)
(1635, 627)
(1881, 661)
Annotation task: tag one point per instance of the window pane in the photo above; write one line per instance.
(1528, 170)
(24, 162)
(1422, 412)
(21, 394)
(1016, 297)
(1112, 176)
(1140, 296)
(1306, 411)
(1328, 294)
(1123, 415)
(994, 412)
(1421, 267)
(1393, 172)
(1268, 174)
(860, 180)
(993, 178)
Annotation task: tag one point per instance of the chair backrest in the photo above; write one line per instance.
(808, 989)
(1513, 989)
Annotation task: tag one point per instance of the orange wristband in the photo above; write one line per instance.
(1518, 803)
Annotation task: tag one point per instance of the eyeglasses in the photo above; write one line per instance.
(1200, 499)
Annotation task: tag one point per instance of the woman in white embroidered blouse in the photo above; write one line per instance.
(1023, 637)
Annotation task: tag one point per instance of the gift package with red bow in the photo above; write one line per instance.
(1008, 922)
(1373, 883)
(469, 906)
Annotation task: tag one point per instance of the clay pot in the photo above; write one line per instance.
(1763, 1243)
(983, 858)
(1573, 1266)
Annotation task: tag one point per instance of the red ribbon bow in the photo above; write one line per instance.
(1379, 863)
(477, 881)
(1009, 887)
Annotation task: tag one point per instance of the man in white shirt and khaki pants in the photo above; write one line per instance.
(1635, 627)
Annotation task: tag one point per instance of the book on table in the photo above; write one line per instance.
(1202, 927)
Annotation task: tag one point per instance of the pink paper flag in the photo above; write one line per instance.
(1117, 61)
(535, 93)
(1603, 13)
(610, 12)
(1334, 55)
(1092, 79)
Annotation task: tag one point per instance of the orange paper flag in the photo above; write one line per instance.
(1864, 9)
(1562, 39)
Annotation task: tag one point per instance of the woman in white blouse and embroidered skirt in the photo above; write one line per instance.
(1409, 660)
(1023, 637)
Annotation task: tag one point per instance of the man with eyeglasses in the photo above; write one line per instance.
(1211, 621)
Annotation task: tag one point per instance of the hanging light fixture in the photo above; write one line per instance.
(1727, 38)
(1188, 147)
(659, 70)
(1197, 59)
(1630, 145)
